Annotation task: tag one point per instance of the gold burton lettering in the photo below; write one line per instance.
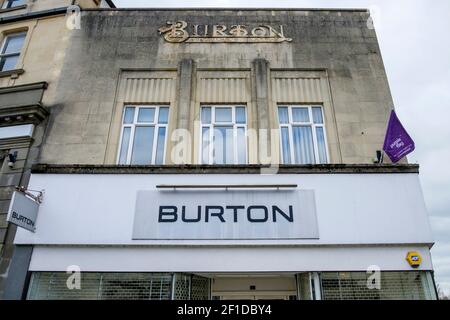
(177, 32)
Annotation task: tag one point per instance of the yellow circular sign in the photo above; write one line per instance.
(414, 259)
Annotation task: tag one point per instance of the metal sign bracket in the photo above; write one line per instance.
(37, 196)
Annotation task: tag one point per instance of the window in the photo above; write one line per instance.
(406, 285)
(143, 138)
(24, 130)
(223, 135)
(12, 3)
(10, 51)
(119, 286)
(302, 132)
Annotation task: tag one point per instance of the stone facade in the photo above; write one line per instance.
(85, 78)
(113, 46)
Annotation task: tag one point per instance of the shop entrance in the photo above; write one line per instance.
(254, 287)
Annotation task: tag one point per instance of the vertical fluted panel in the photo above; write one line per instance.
(297, 90)
(149, 90)
(223, 90)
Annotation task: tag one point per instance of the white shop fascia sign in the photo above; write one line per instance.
(225, 215)
(107, 210)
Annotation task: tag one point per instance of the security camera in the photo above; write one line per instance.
(12, 157)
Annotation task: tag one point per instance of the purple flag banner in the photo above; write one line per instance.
(397, 143)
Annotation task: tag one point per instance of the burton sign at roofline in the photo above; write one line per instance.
(180, 31)
(225, 215)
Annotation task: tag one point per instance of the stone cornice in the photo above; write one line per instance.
(22, 114)
(362, 10)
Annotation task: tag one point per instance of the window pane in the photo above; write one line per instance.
(317, 114)
(23, 130)
(104, 286)
(321, 145)
(125, 145)
(206, 115)
(300, 114)
(285, 146)
(397, 285)
(13, 3)
(240, 115)
(142, 145)
(223, 115)
(8, 63)
(241, 146)
(283, 115)
(160, 145)
(303, 145)
(14, 44)
(146, 115)
(163, 115)
(129, 115)
(205, 145)
(223, 145)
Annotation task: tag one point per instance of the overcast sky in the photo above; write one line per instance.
(415, 44)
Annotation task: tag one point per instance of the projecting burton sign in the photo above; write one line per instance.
(225, 215)
(23, 211)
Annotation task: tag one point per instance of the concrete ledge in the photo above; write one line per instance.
(34, 15)
(13, 72)
(230, 9)
(24, 87)
(224, 169)
(22, 104)
(24, 6)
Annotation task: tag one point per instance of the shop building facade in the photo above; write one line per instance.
(223, 154)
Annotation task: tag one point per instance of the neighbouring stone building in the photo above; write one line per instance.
(219, 154)
(33, 41)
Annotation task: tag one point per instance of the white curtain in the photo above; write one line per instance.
(303, 144)
(285, 145)
(321, 145)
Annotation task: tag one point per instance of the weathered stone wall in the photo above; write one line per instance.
(17, 104)
(33, 6)
(28, 94)
(110, 41)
